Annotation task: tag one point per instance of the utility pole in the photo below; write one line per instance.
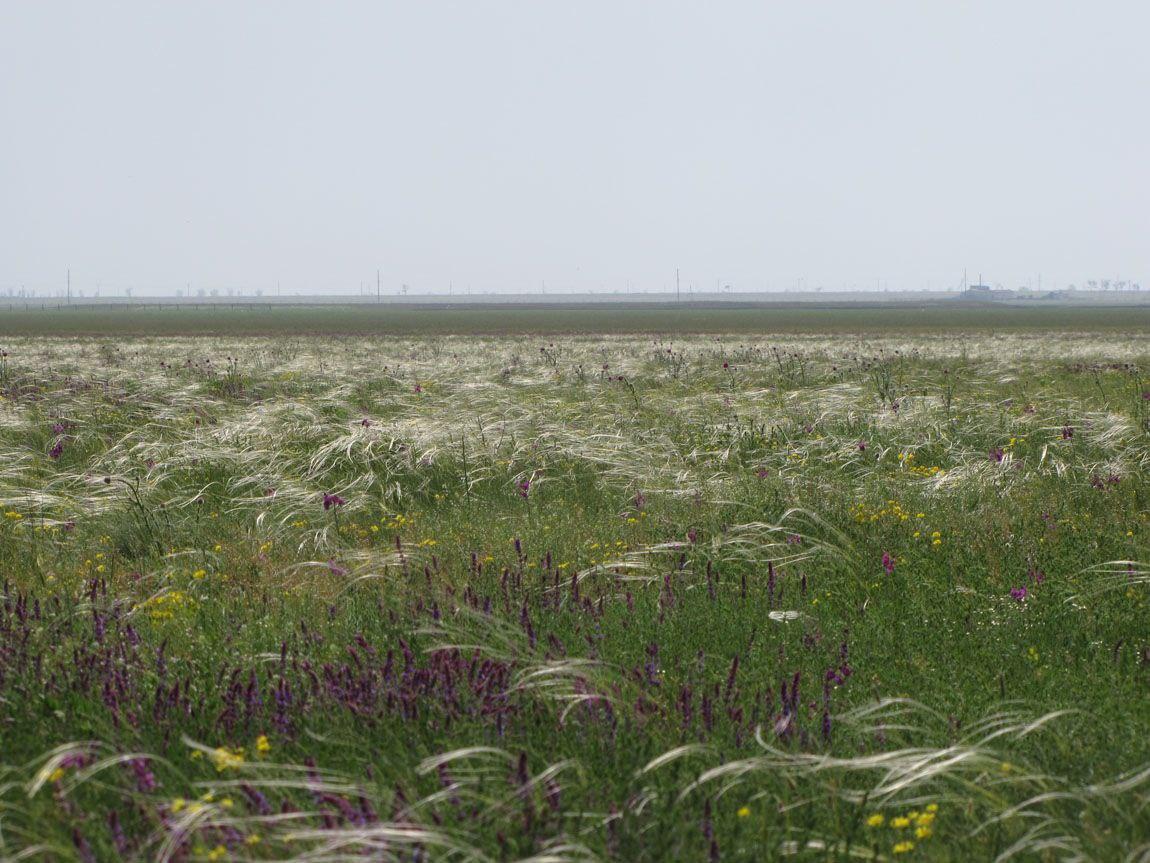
(69, 286)
(676, 284)
(378, 297)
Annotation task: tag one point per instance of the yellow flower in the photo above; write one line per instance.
(903, 847)
(744, 811)
(900, 822)
(178, 804)
(225, 759)
(925, 819)
(932, 808)
(57, 775)
(12, 514)
(253, 839)
(922, 833)
(263, 745)
(876, 820)
(218, 853)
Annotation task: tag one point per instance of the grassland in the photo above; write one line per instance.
(575, 597)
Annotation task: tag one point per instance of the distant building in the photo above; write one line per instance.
(987, 293)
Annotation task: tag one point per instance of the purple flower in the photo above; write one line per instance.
(1067, 432)
(57, 428)
(862, 446)
(330, 500)
(57, 449)
(997, 455)
(524, 487)
(888, 562)
(1018, 593)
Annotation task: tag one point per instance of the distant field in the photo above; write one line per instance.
(392, 320)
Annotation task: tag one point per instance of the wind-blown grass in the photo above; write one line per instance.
(577, 598)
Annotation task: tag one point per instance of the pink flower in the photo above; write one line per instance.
(330, 500)
(1018, 593)
(888, 562)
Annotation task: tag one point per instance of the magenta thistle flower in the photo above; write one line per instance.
(888, 562)
(57, 449)
(330, 500)
(1018, 593)
(524, 487)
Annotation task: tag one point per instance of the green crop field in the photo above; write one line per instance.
(859, 589)
(516, 319)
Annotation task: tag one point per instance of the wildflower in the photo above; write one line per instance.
(524, 488)
(1018, 593)
(744, 811)
(225, 759)
(903, 847)
(218, 853)
(997, 455)
(922, 832)
(418, 388)
(888, 562)
(900, 822)
(876, 820)
(330, 500)
(862, 446)
(263, 745)
(57, 450)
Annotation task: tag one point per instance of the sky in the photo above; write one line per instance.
(578, 146)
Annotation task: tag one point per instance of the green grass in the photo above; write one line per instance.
(563, 606)
(511, 320)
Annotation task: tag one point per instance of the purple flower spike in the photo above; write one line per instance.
(330, 500)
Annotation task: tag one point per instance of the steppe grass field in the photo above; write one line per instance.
(576, 596)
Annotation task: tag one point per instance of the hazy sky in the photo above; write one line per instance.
(590, 145)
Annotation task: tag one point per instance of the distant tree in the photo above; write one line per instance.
(215, 292)
(259, 292)
(200, 292)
